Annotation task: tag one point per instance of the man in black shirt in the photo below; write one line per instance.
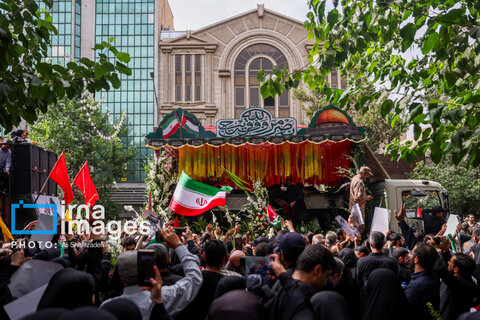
(457, 290)
(376, 259)
(162, 260)
(216, 256)
(295, 199)
(291, 294)
(404, 273)
(434, 222)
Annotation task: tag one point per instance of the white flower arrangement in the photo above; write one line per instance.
(115, 246)
(256, 211)
(160, 178)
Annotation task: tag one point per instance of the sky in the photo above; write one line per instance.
(196, 14)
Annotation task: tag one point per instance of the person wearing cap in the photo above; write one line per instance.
(289, 248)
(357, 190)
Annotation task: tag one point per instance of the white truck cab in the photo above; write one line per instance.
(419, 195)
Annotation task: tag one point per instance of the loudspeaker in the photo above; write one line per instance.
(30, 168)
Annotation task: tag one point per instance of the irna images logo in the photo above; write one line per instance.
(48, 210)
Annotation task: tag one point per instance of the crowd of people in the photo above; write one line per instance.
(309, 276)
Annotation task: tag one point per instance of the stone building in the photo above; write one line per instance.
(212, 72)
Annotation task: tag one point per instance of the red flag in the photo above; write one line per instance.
(419, 212)
(176, 223)
(59, 174)
(84, 182)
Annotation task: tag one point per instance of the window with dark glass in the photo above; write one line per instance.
(188, 77)
(334, 76)
(178, 78)
(198, 77)
(133, 31)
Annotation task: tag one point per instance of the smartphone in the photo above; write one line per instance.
(179, 231)
(255, 265)
(145, 263)
(238, 243)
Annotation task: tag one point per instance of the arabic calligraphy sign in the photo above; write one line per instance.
(256, 122)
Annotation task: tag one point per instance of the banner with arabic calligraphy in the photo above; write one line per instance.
(257, 122)
(259, 146)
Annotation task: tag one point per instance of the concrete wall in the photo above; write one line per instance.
(165, 15)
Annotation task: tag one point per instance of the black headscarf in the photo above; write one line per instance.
(350, 260)
(329, 305)
(348, 257)
(383, 297)
(123, 309)
(88, 313)
(68, 289)
(16, 133)
(236, 305)
(47, 314)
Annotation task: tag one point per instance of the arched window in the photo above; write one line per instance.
(247, 89)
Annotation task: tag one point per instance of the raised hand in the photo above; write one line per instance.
(18, 258)
(170, 237)
(276, 265)
(187, 235)
(400, 216)
(156, 290)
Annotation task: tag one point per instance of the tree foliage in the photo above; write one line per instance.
(74, 126)
(403, 49)
(29, 84)
(462, 184)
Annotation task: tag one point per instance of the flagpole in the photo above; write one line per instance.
(43, 187)
(45, 183)
(80, 171)
(179, 123)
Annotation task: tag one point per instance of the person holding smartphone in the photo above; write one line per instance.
(175, 297)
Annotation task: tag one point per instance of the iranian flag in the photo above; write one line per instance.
(172, 125)
(273, 217)
(192, 198)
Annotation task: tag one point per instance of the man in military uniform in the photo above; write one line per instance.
(357, 190)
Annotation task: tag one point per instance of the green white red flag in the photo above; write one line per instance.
(172, 125)
(192, 198)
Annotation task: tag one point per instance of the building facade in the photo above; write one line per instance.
(212, 72)
(135, 26)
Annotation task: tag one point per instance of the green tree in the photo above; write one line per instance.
(81, 129)
(404, 49)
(28, 83)
(379, 131)
(462, 184)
